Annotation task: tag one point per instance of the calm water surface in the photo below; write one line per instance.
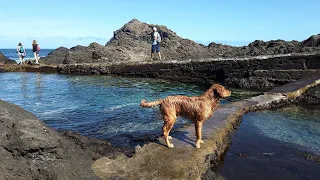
(273, 144)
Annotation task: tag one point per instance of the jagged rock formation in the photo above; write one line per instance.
(132, 43)
(135, 38)
(29, 149)
(5, 60)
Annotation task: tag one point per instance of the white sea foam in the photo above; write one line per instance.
(110, 109)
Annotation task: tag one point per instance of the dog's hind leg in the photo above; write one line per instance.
(167, 126)
(198, 128)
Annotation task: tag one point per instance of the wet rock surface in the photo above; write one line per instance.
(31, 150)
(311, 98)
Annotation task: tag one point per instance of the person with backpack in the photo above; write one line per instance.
(36, 50)
(21, 53)
(156, 39)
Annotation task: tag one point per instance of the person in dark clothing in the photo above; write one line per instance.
(36, 50)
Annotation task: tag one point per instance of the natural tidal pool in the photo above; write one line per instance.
(102, 107)
(275, 144)
(271, 144)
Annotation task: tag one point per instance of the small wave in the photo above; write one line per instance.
(54, 111)
(58, 111)
(110, 109)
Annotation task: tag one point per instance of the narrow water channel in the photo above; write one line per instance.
(275, 144)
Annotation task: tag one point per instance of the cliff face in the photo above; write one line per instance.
(132, 42)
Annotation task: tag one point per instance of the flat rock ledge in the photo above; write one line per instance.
(184, 161)
(260, 73)
(28, 68)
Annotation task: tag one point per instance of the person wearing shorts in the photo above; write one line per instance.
(155, 44)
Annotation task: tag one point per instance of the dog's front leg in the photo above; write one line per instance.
(198, 128)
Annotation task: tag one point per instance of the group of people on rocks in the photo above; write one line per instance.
(156, 39)
(22, 52)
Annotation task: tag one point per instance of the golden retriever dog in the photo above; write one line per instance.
(196, 108)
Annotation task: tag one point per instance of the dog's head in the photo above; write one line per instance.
(220, 91)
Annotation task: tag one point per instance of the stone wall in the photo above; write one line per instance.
(259, 74)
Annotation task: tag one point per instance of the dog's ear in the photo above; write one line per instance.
(218, 91)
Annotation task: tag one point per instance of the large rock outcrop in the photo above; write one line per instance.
(135, 38)
(132, 43)
(29, 149)
(57, 56)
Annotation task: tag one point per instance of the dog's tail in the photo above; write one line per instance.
(144, 103)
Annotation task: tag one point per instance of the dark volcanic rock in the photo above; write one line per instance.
(258, 74)
(56, 57)
(312, 41)
(311, 98)
(135, 38)
(78, 48)
(5, 60)
(250, 83)
(31, 150)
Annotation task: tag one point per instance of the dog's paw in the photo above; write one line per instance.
(198, 146)
(169, 137)
(170, 145)
(201, 142)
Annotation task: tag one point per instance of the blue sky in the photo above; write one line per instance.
(68, 23)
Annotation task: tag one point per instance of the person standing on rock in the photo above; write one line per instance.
(156, 39)
(21, 52)
(36, 50)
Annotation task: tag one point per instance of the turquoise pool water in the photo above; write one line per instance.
(274, 144)
(295, 125)
(96, 106)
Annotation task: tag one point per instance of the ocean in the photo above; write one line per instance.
(12, 53)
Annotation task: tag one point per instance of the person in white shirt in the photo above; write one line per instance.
(156, 39)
